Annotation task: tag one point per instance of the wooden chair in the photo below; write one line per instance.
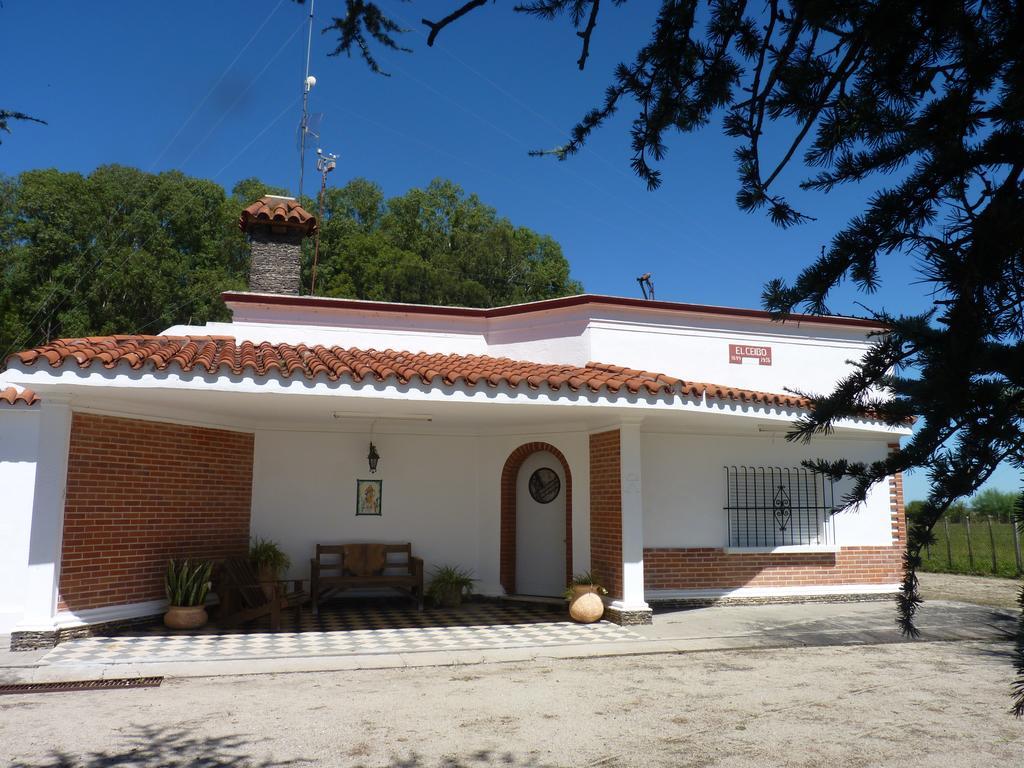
(337, 567)
(243, 597)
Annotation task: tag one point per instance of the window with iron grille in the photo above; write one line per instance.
(779, 507)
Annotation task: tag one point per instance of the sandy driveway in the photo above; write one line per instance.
(927, 704)
(980, 590)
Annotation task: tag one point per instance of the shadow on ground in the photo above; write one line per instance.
(151, 746)
(473, 760)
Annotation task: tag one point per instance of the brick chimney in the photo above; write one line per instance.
(276, 226)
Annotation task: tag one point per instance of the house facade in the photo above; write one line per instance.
(643, 441)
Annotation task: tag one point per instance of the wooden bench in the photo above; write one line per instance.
(337, 567)
(243, 597)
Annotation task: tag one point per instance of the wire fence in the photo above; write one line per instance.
(979, 545)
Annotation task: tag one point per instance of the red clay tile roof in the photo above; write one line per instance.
(17, 396)
(222, 354)
(278, 210)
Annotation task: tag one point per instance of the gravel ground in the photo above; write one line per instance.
(924, 704)
(980, 590)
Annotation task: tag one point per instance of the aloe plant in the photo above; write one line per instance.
(585, 579)
(449, 584)
(187, 582)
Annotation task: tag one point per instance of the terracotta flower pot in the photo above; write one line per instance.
(585, 605)
(449, 597)
(185, 616)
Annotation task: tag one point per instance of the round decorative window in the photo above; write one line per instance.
(545, 485)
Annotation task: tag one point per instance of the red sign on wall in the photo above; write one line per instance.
(741, 353)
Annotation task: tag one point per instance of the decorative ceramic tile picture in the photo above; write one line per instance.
(368, 495)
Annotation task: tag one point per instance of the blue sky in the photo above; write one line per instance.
(213, 89)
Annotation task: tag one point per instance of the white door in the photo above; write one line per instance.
(540, 526)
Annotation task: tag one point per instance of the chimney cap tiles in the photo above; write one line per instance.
(278, 211)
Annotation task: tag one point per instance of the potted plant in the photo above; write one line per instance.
(270, 563)
(584, 596)
(449, 584)
(186, 583)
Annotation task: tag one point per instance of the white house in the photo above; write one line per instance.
(641, 440)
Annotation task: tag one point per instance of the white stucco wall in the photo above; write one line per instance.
(684, 486)
(804, 357)
(19, 437)
(685, 343)
(440, 492)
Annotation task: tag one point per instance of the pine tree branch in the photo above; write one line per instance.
(586, 33)
(436, 26)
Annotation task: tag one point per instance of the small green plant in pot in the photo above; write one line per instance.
(270, 563)
(187, 583)
(584, 595)
(449, 584)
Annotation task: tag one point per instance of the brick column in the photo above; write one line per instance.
(616, 522)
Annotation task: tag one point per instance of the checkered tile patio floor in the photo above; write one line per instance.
(360, 627)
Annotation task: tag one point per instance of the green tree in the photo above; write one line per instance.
(924, 99)
(123, 251)
(117, 251)
(435, 245)
(994, 503)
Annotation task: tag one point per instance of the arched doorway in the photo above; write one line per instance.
(516, 475)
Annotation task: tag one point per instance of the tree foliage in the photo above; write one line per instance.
(433, 246)
(117, 251)
(123, 251)
(923, 99)
(999, 505)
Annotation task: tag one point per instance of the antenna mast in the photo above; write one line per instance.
(325, 163)
(307, 85)
(646, 285)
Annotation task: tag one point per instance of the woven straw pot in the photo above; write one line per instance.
(185, 616)
(585, 605)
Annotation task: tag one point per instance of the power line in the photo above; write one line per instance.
(79, 302)
(307, 85)
(543, 118)
(241, 95)
(32, 330)
(214, 87)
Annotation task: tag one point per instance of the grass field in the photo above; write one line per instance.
(956, 558)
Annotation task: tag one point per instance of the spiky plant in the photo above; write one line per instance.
(585, 579)
(187, 582)
(265, 553)
(450, 580)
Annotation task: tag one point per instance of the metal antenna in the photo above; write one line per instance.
(325, 163)
(307, 85)
(646, 285)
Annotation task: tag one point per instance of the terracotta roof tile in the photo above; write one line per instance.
(17, 396)
(278, 210)
(224, 355)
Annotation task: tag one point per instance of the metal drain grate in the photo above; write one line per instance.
(81, 685)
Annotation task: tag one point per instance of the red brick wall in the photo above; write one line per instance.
(899, 516)
(140, 492)
(710, 568)
(606, 511)
(509, 477)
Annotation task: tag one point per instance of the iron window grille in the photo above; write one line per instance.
(779, 507)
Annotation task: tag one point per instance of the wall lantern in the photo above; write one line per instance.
(373, 457)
